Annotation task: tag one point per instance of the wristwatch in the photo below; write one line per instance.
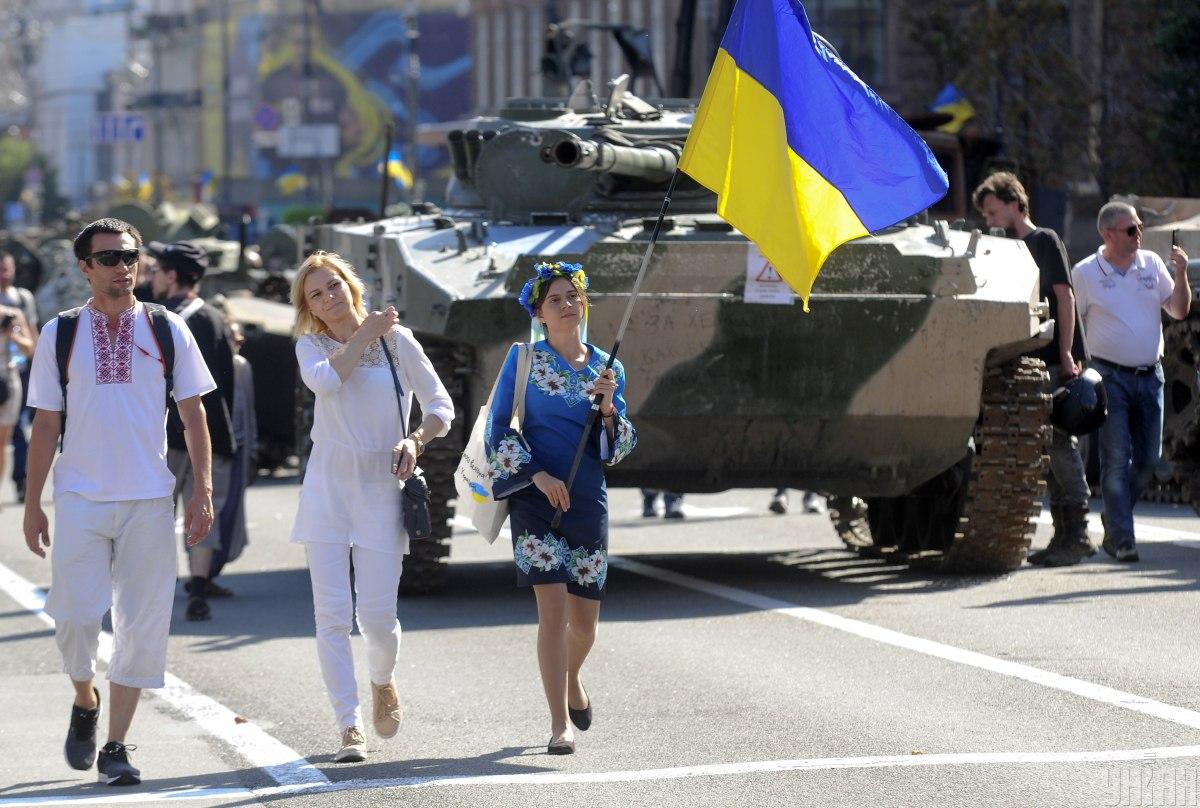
(418, 444)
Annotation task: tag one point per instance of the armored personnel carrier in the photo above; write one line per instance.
(903, 393)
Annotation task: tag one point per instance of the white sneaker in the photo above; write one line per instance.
(354, 746)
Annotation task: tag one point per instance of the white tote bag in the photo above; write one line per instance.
(472, 480)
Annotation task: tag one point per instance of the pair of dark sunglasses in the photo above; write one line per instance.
(110, 258)
(1130, 231)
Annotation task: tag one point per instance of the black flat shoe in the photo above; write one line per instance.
(582, 719)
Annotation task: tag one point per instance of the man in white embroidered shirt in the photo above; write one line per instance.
(1120, 293)
(114, 533)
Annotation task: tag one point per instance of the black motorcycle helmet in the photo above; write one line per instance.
(1080, 404)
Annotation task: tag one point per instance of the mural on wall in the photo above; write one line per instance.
(340, 76)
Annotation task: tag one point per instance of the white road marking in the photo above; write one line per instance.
(1146, 534)
(283, 764)
(950, 653)
(1145, 756)
(129, 798)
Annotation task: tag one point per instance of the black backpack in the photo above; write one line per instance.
(64, 343)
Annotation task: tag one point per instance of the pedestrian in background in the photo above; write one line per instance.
(114, 537)
(672, 503)
(567, 567)
(1122, 291)
(811, 502)
(18, 354)
(349, 512)
(175, 284)
(1003, 202)
(231, 519)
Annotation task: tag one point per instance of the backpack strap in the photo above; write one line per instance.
(161, 328)
(64, 345)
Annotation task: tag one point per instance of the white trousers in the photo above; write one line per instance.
(118, 555)
(376, 579)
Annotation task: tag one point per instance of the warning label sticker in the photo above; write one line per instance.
(763, 283)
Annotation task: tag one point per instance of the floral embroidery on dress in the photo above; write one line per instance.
(114, 363)
(556, 378)
(546, 553)
(373, 356)
(589, 568)
(507, 459)
(626, 440)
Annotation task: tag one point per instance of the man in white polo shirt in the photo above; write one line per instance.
(114, 533)
(1120, 293)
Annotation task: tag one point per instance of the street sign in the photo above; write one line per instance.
(308, 140)
(118, 127)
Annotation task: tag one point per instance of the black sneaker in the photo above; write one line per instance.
(114, 766)
(80, 748)
(197, 608)
(1127, 555)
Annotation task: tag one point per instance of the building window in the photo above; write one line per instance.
(856, 29)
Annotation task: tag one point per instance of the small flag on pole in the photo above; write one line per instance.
(397, 170)
(803, 156)
(954, 103)
(145, 188)
(291, 181)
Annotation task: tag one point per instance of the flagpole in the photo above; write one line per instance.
(386, 178)
(594, 411)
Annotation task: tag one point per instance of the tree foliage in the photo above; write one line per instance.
(1178, 81)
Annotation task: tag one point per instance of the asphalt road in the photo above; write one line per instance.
(744, 659)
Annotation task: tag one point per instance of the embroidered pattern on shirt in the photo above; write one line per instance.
(114, 363)
(373, 356)
(552, 378)
(544, 554)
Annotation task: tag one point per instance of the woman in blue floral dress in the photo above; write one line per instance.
(567, 568)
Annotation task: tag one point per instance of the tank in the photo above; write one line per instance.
(903, 394)
(1178, 478)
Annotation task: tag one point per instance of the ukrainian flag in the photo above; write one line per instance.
(954, 103)
(803, 156)
(291, 181)
(397, 170)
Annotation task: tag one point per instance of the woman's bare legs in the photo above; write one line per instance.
(583, 616)
(6, 433)
(552, 653)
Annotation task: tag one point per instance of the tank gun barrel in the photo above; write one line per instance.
(646, 162)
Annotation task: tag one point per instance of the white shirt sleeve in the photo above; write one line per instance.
(1166, 282)
(316, 371)
(45, 393)
(191, 376)
(1080, 283)
(423, 380)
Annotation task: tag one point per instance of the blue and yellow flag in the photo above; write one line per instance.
(953, 103)
(803, 156)
(291, 181)
(397, 170)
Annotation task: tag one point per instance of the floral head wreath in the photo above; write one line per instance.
(546, 272)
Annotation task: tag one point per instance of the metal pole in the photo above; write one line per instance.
(385, 179)
(594, 411)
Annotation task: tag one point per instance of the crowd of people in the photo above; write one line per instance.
(148, 379)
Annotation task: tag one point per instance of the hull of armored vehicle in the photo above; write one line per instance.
(873, 396)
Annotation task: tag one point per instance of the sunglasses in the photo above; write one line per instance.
(1130, 231)
(110, 258)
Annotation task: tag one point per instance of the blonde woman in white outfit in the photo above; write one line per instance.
(349, 506)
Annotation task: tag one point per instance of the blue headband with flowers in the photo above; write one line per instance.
(544, 272)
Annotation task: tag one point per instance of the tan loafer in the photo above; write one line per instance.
(388, 713)
(560, 745)
(354, 746)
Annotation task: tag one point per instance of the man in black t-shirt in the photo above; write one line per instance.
(1003, 202)
(174, 283)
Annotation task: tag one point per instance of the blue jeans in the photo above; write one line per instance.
(1130, 444)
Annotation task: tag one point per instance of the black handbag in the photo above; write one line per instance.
(414, 492)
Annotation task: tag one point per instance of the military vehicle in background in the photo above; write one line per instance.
(903, 393)
(1180, 479)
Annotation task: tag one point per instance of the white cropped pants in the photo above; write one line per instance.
(376, 578)
(118, 555)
